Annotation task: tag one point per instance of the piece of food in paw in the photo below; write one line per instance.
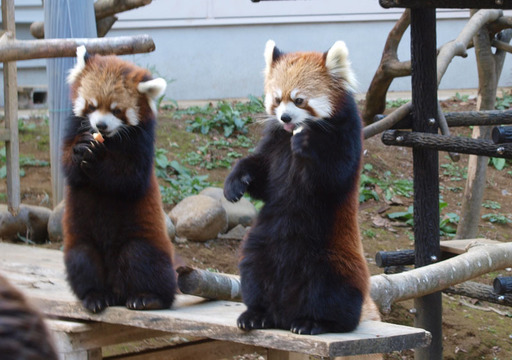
(98, 137)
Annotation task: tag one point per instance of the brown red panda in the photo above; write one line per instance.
(303, 267)
(116, 247)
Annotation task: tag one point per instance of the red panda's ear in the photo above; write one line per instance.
(338, 64)
(152, 88)
(271, 54)
(81, 59)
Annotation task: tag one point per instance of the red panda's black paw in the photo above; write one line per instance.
(95, 302)
(250, 320)
(300, 144)
(307, 327)
(235, 187)
(146, 302)
(86, 152)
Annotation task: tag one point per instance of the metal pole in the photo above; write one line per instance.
(63, 19)
(426, 173)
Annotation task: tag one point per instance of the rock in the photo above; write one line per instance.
(199, 218)
(237, 233)
(242, 212)
(55, 223)
(30, 222)
(171, 230)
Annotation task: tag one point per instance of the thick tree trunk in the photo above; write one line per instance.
(489, 69)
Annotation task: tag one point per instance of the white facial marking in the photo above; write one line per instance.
(133, 118)
(94, 102)
(298, 130)
(113, 105)
(321, 105)
(296, 114)
(79, 106)
(294, 94)
(113, 124)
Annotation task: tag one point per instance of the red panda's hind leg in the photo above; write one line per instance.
(254, 319)
(149, 277)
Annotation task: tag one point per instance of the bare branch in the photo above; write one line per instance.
(14, 50)
(479, 260)
(102, 10)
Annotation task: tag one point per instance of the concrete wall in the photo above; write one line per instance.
(212, 49)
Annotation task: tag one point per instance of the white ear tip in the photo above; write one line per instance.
(80, 51)
(153, 88)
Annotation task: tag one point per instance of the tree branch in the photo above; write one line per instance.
(102, 10)
(14, 50)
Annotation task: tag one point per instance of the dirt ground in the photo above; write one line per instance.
(471, 329)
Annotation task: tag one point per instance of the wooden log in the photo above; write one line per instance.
(102, 9)
(450, 4)
(502, 285)
(480, 292)
(55, 48)
(394, 258)
(447, 143)
(502, 134)
(208, 284)
(461, 119)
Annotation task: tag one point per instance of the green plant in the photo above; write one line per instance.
(463, 98)
(489, 204)
(498, 163)
(389, 185)
(446, 223)
(181, 181)
(24, 161)
(497, 218)
(503, 102)
(454, 171)
(396, 103)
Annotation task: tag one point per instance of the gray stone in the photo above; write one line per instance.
(171, 230)
(55, 223)
(30, 222)
(242, 212)
(199, 218)
(237, 233)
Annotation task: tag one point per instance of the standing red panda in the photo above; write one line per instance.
(303, 266)
(116, 247)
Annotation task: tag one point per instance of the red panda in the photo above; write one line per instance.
(302, 264)
(116, 247)
(23, 333)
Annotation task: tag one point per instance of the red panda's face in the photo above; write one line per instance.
(112, 94)
(305, 86)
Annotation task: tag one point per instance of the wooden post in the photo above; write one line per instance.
(63, 19)
(426, 177)
(11, 114)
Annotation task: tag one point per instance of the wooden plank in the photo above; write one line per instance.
(12, 151)
(40, 274)
(204, 350)
(96, 335)
(448, 4)
(461, 246)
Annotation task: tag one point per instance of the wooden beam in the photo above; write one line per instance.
(13, 50)
(457, 144)
(11, 113)
(447, 4)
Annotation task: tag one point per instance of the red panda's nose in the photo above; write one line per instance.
(286, 118)
(101, 126)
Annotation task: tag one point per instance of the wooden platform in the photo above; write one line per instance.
(39, 273)
(458, 247)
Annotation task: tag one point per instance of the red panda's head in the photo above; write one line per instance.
(306, 85)
(112, 93)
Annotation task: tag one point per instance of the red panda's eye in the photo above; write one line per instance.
(299, 101)
(277, 100)
(91, 108)
(116, 112)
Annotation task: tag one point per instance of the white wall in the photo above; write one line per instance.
(213, 49)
